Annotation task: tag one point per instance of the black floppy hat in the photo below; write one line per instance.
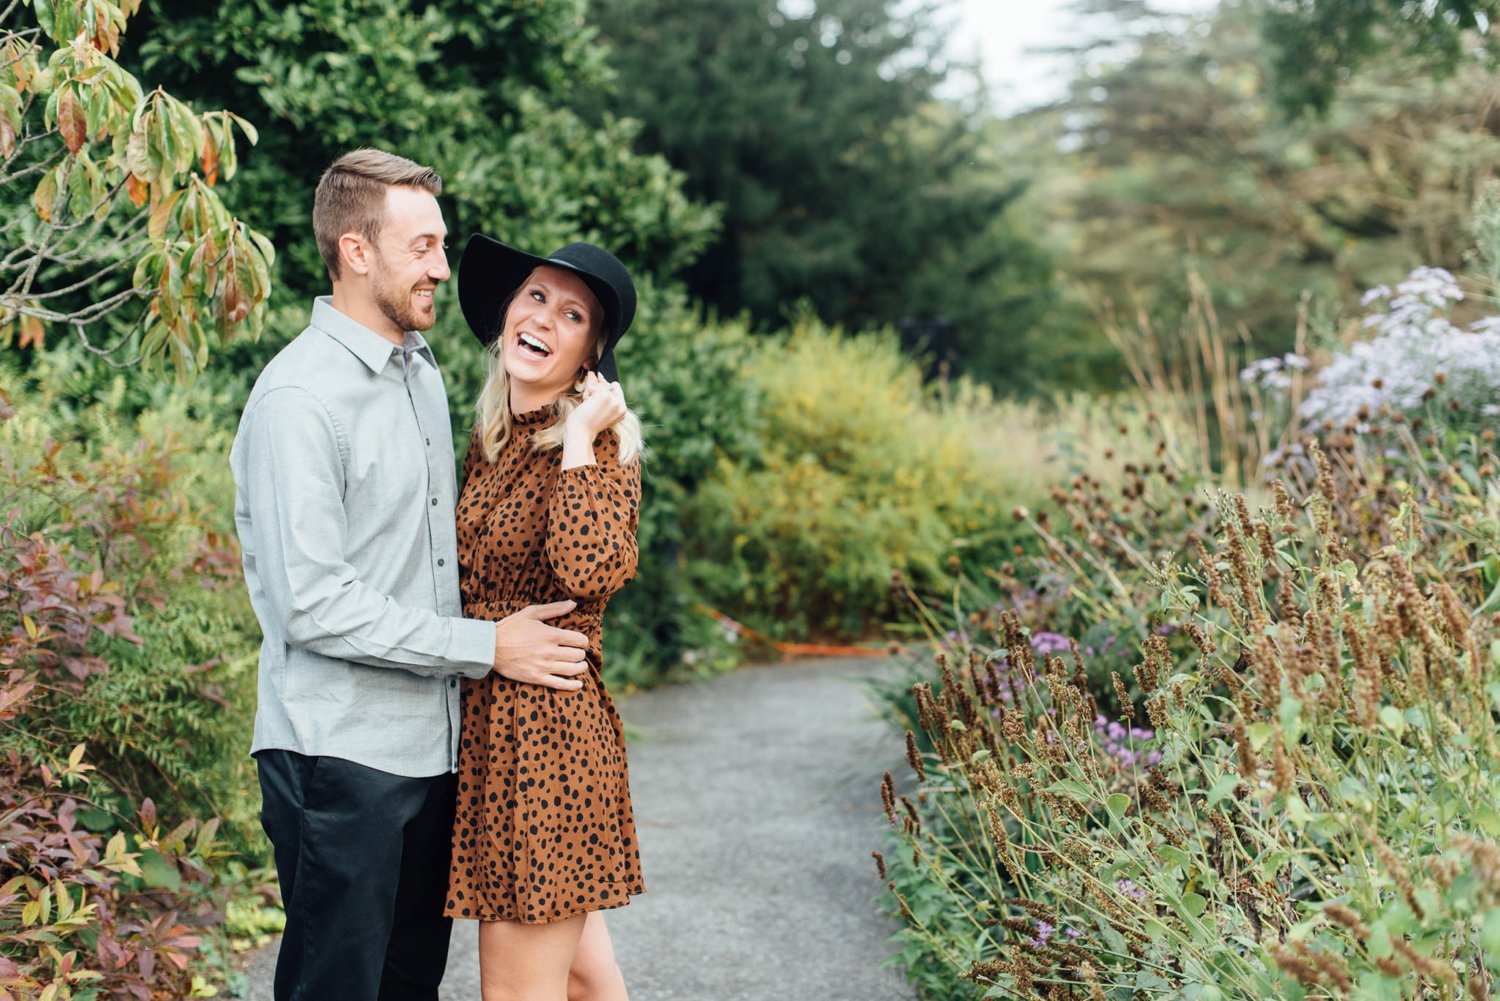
(490, 272)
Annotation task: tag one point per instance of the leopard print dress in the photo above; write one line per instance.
(544, 828)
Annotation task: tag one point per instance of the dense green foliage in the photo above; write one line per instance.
(180, 693)
(685, 380)
(474, 89)
(129, 658)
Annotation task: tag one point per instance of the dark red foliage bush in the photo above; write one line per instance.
(107, 908)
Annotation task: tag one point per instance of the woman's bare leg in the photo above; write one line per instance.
(594, 975)
(519, 962)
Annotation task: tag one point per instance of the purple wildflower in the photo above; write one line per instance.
(1049, 642)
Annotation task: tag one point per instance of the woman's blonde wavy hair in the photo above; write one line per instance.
(494, 408)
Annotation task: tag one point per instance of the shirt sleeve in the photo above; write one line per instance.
(292, 481)
(592, 521)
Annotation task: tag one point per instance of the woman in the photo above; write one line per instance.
(544, 837)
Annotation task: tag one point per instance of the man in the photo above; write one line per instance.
(343, 465)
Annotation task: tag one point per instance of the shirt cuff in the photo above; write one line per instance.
(471, 647)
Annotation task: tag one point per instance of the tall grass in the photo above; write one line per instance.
(1193, 372)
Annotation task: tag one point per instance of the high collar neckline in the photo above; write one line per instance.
(532, 418)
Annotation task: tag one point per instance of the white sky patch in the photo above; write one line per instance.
(1003, 36)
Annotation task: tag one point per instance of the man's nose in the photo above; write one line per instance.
(440, 272)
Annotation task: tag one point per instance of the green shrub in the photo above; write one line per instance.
(683, 373)
(857, 471)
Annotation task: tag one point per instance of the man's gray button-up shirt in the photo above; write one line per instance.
(344, 500)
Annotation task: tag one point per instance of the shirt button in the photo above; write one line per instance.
(452, 682)
(440, 562)
(429, 441)
(434, 502)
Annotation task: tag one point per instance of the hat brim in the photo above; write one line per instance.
(490, 272)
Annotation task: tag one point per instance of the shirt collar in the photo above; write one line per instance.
(362, 342)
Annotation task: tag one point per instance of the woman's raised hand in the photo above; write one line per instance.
(603, 405)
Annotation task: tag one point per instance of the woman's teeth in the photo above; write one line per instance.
(535, 345)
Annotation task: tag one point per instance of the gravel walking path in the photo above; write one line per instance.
(757, 806)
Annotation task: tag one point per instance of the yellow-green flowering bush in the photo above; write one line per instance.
(856, 471)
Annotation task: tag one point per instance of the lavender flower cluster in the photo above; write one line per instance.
(1048, 643)
(1124, 744)
(1416, 353)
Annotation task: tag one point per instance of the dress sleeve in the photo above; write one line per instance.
(471, 459)
(592, 520)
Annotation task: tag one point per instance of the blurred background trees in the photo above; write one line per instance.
(1180, 161)
(1316, 44)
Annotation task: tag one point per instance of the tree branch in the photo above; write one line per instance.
(88, 314)
(83, 282)
(108, 353)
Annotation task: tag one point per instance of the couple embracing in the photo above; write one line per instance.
(432, 735)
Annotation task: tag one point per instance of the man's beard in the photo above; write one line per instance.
(396, 303)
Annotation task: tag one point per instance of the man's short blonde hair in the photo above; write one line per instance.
(351, 197)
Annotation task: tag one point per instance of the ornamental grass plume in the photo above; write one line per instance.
(1309, 808)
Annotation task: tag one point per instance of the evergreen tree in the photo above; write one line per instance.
(845, 176)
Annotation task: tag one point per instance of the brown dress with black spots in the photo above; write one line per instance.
(544, 828)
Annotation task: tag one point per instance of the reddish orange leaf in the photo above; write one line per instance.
(208, 163)
(136, 189)
(71, 121)
(236, 303)
(32, 332)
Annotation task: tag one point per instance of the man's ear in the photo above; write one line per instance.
(354, 254)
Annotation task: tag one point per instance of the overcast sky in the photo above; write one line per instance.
(1001, 32)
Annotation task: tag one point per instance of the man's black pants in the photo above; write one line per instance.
(363, 860)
